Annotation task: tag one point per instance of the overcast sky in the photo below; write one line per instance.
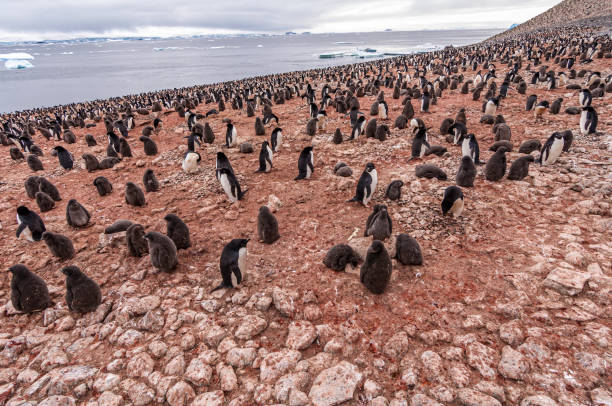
(61, 19)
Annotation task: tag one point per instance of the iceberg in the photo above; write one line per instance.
(17, 64)
(17, 60)
(16, 55)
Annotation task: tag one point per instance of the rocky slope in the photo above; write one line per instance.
(567, 13)
(512, 305)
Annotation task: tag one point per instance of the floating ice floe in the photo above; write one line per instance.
(17, 64)
(17, 60)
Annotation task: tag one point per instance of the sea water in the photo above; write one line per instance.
(49, 73)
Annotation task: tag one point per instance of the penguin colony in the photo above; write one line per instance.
(295, 149)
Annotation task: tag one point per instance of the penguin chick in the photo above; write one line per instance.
(337, 139)
(134, 195)
(429, 171)
(32, 186)
(496, 165)
(466, 173)
(83, 295)
(34, 163)
(520, 167)
(44, 202)
(376, 270)
(162, 251)
(59, 245)
(378, 224)
(16, 153)
(103, 186)
(90, 140)
(109, 162)
(150, 147)
(76, 214)
(178, 231)
(232, 263)
(452, 201)
(118, 226)
(408, 250)
(527, 147)
(30, 225)
(29, 292)
(394, 190)
(91, 162)
(150, 181)
(50, 189)
(267, 226)
(339, 256)
(124, 148)
(135, 239)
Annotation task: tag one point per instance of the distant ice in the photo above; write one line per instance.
(67, 53)
(16, 55)
(17, 64)
(17, 60)
(259, 46)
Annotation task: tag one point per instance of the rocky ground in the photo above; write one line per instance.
(580, 13)
(511, 307)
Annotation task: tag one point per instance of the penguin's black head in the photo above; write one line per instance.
(19, 270)
(557, 135)
(23, 211)
(369, 167)
(171, 217)
(71, 271)
(466, 160)
(376, 247)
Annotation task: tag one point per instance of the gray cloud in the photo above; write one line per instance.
(103, 16)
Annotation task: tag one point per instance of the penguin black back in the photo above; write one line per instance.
(29, 292)
(376, 270)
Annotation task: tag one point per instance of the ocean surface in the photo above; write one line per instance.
(58, 72)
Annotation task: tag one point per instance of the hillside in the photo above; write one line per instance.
(596, 13)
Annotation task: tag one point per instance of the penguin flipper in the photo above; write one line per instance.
(20, 229)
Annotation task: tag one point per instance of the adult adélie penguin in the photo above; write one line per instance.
(233, 263)
(366, 185)
(551, 149)
(469, 147)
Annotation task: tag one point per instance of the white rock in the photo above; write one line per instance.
(250, 327)
(301, 334)
(335, 385)
(566, 281)
(513, 364)
(180, 394)
(276, 364)
(198, 372)
(215, 398)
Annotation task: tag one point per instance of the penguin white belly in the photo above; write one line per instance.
(456, 137)
(583, 120)
(362, 128)
(190, 163)
(366, 197)
(26, 233)
(581, 99)
(242, 257)
(423, 150)
(383, 113)
(308, 170)
(490, 109)
(227, 187)
(279, 140)
(423, 105)
(233, 137)
(413, 124)
(465, 148)
(457, 208)
(554, 152)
